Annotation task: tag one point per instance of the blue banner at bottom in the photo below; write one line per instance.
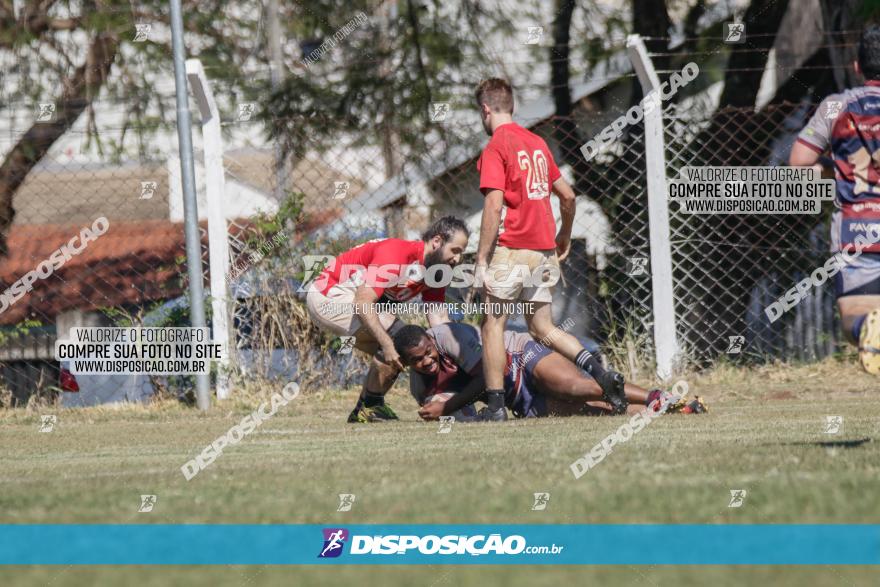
(210, 544)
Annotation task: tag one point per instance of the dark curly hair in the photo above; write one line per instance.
(869, 52)
(446, 227)
(408, 337)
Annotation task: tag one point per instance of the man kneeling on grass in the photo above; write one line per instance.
(447, 360)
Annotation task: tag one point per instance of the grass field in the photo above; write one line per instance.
(765, 434)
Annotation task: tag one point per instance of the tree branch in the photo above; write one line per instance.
(79, 90)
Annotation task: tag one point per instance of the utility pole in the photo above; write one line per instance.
(190, 203)
(277, 63)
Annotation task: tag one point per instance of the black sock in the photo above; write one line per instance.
(586, 361)
(495, 399)
(371, 400)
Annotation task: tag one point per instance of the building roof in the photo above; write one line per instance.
(528, 115)
(79, 192)
(132, 263)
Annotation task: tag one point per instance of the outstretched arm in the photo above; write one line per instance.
(566, 210)
(465, 396)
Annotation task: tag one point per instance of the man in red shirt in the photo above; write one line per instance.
(343, 300)
(517, 174)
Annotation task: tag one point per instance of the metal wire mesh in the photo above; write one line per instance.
(728, 268)
(337, 192)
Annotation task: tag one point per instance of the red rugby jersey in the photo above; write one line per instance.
(383, 262)
(519, 163)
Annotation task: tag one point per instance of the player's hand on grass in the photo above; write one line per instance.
(431, 411)
(563, 246)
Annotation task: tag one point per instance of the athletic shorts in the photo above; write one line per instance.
(334, 313)
(521, 397)
(860, 277)
(538, 269)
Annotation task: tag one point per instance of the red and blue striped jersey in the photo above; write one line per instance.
(848, 124)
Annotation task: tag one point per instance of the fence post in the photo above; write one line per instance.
(218, 230)
(190, 203)
(665, 342)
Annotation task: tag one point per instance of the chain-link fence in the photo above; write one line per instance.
(341, 190)
(729, 268)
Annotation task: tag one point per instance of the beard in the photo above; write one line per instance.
(435, 258)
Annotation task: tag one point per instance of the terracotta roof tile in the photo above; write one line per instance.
(132, 262)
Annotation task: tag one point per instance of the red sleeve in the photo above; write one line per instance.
(385, 266)
(552, 169)
(433, 294)
(491, 167)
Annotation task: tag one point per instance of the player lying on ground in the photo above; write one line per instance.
(333, 296)
(447, 360)
(846, 125)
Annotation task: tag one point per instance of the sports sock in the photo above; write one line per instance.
(495, 399)
(857, 327)
(371, 400)
(586, 361)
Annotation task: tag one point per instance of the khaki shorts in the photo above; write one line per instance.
(334, 313)
(522, 274)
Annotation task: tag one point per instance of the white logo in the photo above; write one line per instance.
(148, 189)
(237, 432)
(821, 274)
(346, 500)
(834, 108)
(626, 431)
(346, 344)
(735, 344)
(313, 265)
(147, 503)
(734, 32)
(833, 424)
(650, 103)
(340, 189)
(47, 423)
(45, 112)
(55, 261)
(443, 545)
(439, 111)
(415, 272)
(541, 501)
(246, 111)
(141, 32)
(637, 266)
(534, 35)
(446, 423)
(737, 498)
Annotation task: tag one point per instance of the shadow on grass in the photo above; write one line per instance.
(834, 443)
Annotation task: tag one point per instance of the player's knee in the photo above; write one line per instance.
(539, 330)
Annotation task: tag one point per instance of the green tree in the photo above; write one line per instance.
(73, 53)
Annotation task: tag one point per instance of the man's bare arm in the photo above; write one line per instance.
(803, 156)
(364, 299)
(489, 224)
(567, 206)
(460, 398)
